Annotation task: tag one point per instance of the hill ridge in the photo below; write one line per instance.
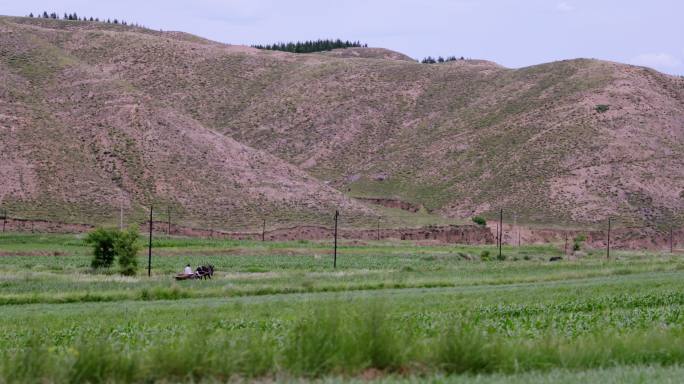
(457, 138)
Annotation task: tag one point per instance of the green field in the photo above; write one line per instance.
(391, 311)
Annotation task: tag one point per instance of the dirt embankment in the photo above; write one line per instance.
(620, 238)
(464, 234)
(41, 226)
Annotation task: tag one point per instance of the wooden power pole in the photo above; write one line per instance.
(337, 214)
(263, 231)
(378, 229)
(149, 248)
(500, 231)
(608, 242)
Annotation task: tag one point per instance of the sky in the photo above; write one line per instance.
(513, 33)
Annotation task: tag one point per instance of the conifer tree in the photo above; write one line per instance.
(309, 46)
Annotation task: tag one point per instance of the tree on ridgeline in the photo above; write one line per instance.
(439, 59)
(75, 17)
(310, 46)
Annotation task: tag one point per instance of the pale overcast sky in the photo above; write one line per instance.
(513, 33)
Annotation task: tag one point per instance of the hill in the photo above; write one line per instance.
(90, 112)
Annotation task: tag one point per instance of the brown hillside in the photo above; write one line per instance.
(367, 53)
(89, 111)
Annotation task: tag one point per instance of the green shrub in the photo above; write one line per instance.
(485, 255)
(126, 247)
(602, 108)
(577, 242)
(110, 243)
(479, 220)
(102, 240)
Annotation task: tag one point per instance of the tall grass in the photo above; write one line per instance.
(344, 340)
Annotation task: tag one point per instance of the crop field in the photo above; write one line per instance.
(392, 311)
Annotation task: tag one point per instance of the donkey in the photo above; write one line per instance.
(204, 271)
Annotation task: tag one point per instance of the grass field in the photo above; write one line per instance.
(391, 311)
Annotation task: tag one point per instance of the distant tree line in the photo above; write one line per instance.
(310, 46)
(440, 59)
(76, 17)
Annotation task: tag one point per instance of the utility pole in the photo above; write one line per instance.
(149, 248)
(500, 231)
(337, 214)
(4, 219)
(608, 242)
(263, 231)
(671, 241)
(378, 229)
(566, 244)
(168, 217)
(497, 235)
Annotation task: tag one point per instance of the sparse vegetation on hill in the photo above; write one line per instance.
(75, 17)
(310, 46)
(305, 132)
(440, 59)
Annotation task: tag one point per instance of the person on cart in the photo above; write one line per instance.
(188, 270)
(186, 274)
